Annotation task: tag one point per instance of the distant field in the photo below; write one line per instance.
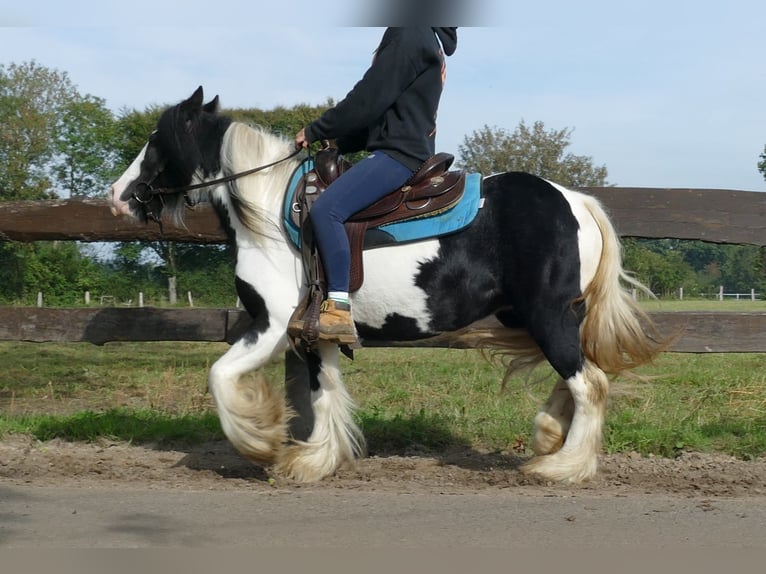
(731, 305)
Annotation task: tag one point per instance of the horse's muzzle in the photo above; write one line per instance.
(117, 206)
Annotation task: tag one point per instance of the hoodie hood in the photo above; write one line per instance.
(448, 39)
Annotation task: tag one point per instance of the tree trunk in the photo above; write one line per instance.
(172, 272)
(172, 293)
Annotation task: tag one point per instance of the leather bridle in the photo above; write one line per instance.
(144, 193)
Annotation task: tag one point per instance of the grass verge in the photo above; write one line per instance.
(410, 400)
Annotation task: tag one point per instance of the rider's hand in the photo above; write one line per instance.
(300, 139)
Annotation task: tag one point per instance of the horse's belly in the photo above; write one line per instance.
(389, 289)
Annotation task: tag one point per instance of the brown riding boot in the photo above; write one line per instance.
(335, 324)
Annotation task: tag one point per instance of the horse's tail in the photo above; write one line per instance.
(616, 334)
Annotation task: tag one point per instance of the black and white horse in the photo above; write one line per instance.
(542, 259)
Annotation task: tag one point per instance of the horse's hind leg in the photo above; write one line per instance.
(335, 438)
(577, 459)
(568, 428)
(553, 420)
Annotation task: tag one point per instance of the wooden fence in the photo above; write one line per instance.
(721, 216)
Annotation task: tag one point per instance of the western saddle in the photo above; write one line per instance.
(431, 189)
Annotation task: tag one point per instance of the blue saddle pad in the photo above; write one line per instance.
(442, 223)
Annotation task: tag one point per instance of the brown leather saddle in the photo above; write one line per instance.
(432, 189)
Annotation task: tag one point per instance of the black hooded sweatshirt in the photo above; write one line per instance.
(393, 108)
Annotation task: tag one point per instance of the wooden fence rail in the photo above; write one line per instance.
(721, 216)
(716, 215)
(699, 332)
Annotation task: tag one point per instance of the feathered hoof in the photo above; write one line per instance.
(549, 434)
(306, 462)
(264, 451)
(562, 467)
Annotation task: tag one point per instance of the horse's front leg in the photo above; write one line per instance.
(253, 414)
(335, 439)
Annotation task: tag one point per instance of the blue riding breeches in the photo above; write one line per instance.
(366, 182)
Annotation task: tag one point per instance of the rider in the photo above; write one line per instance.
(391, 113)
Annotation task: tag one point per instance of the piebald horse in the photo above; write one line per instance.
(543, 261)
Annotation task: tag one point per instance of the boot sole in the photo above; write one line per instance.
(340, 339)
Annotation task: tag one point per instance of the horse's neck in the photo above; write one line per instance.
(256, 200)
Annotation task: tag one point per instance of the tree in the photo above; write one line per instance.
(281, 120)
(86, 144)
(31, 96)
(762, 163)
(658, 264)
(57, 269)
(533, 150)
(53, 140)
(743, 268)
(134, 128)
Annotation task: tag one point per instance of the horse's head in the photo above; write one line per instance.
(174, 155)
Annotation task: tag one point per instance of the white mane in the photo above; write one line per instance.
(257, 198)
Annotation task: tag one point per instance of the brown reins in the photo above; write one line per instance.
(145, 192)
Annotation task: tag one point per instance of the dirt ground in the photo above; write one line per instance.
(216, 466)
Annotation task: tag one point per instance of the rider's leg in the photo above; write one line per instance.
(365, 183)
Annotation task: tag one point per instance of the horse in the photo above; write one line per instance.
(543, 261)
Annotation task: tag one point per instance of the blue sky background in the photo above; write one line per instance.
(663, 93)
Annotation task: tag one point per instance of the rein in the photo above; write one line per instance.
(147, 192)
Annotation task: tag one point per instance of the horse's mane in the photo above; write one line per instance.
(257, 199)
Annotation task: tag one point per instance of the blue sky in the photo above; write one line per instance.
(663, 93)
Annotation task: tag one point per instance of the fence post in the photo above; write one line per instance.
(720, 293)
(87, 297)
(39, 298)
(189, 296)
(752, 294)
(141, 299)
(680, 293)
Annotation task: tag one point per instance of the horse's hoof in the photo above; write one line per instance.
(562, 467)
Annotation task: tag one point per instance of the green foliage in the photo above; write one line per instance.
(208, 273)
(533, 150)
(31, 98)
(135, 128)
(662, 270)
(11, 275)
(762, 163)
(57, 269)
(283, 121)
(53, 140)
(87, 136)
(700, 268)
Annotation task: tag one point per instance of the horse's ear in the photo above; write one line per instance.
(193, 105)
(212, 106)
(190, 109)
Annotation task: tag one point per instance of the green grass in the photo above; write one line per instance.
(137, 426)
(410, 400)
